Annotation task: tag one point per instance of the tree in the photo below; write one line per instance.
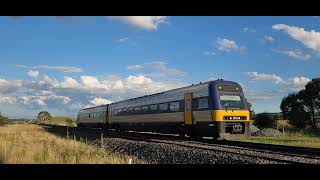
(44, 117)
(264, 120)
(252, 113)
(3, 120)
(310, 97)
(69, 122)
(292, 108)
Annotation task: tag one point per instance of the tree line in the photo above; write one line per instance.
(302, 108)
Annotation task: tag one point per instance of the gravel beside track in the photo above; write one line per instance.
(160, 149)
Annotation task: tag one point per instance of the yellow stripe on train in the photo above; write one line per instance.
(217, 115)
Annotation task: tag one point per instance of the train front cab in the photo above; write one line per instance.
(230, 117)
(230, 114)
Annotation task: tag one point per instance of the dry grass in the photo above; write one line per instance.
(30, 144)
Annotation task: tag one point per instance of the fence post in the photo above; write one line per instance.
(67, 132)
(86, 140)
(74, 137)
(283, 129)
(101, 140)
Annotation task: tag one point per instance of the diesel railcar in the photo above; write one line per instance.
(215, 109)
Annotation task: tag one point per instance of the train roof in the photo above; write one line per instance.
(201, 83)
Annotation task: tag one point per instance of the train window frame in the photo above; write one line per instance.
(153, 109)
(176, 106)
(137, 108)
(161, 105)
(202, 106)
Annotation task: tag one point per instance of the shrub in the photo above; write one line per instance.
(264, 120)
(3, 120)
(69, 122)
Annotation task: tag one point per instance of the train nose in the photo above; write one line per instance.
(237, 128)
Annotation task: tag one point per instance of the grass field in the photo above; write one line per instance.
(30, 144)
(61, 120)
(291, 138)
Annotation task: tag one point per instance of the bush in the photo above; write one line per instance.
(264, 120)
(3, 120)
(69, 122)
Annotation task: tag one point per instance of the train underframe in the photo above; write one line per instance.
(217, 129)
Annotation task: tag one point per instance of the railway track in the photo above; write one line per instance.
(270, 153)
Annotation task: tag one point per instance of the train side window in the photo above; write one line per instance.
(115, 112)
(174, 106)
(145, 108)
(131, 109)
(137, 108)
(203, 103)
(163, 107)
(153, 107)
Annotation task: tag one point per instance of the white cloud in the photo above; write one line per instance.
(7, 87)
(134, 67)
(226, 45)
(141, 79)
(162, 70)
(66, 69)
(247, 29)
(296, 54)
(100, 101)
(265, 77)
(208, 53)
(68, 95)
(143, 22)
(8, 100)
(33, 73)
(258, 96)
(298, 83)
(69, 82)
(122, 40)
(268, 38)
(310, 39)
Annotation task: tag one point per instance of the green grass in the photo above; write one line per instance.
(301, 138)
(61, 120)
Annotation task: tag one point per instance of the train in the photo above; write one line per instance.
(216, 109)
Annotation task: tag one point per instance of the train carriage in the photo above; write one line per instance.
(215, 108)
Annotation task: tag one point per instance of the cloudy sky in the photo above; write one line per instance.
(62, 64)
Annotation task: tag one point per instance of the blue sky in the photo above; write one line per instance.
(61, 64)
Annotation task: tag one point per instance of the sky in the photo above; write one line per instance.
(62, 64)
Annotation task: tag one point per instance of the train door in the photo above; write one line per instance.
(188, 116)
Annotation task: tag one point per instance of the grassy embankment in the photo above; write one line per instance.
(62, 120)
(29, 144)
(302, 138)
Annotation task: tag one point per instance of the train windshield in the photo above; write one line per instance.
(231, 101)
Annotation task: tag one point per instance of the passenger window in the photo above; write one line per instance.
(131, 109)
(153, 107)
(174, 106)
(203, 103)
(163, 107)
(115, 112)
(137, 108)
(145, 108)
